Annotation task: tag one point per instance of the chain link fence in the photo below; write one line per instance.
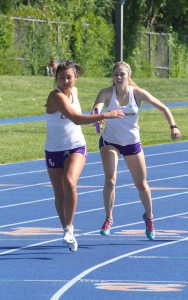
(157, 52)
(37, 41)
(31, 31)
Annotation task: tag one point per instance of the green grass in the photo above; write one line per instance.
(26, 96)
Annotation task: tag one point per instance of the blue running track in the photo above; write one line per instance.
(36, 265)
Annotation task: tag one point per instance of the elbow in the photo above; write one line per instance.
(77, 121)
(166, 111)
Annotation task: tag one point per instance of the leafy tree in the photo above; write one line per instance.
(163, 15)
(6, 6)
(82, 39)
(87, 34)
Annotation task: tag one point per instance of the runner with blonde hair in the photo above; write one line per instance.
(122, 136)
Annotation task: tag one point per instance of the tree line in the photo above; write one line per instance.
(83, 30)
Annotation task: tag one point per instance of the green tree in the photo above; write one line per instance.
(6, 6)
(87, 34)
(87, 37)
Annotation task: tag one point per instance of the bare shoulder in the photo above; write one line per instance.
(51, 103)
(141, 94)
(105, 95)
(138, 91)
(106, 91)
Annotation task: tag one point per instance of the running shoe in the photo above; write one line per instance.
(105, 230)
(150, 230)
(69, 238)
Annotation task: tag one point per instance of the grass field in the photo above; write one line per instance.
(26, 96)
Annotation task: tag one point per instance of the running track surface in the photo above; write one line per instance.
(6, 121)
(35, 264)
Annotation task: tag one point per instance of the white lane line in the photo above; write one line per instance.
(82, 193)
(92, 210)
(29, 246)
(77, 278)
(44, 170)
(93, 191)
(25, 186)
(87, 233)
(99, 190)
(95, 281)
(23, 173)
(26, 203)
(29, 221)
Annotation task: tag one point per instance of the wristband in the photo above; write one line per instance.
(173, 126)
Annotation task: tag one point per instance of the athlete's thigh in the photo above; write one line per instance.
(137, 166)
(109, 156)
(73, 166)
(56, 178)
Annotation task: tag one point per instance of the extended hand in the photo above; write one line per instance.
(175, 133)
(116, 113)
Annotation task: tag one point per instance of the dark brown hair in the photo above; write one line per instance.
(68, 64)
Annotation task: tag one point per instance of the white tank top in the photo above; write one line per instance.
(123, 131)
(62, 133)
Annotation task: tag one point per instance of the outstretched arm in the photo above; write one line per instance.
(103, 99)
(143, 95)
(61, 103)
